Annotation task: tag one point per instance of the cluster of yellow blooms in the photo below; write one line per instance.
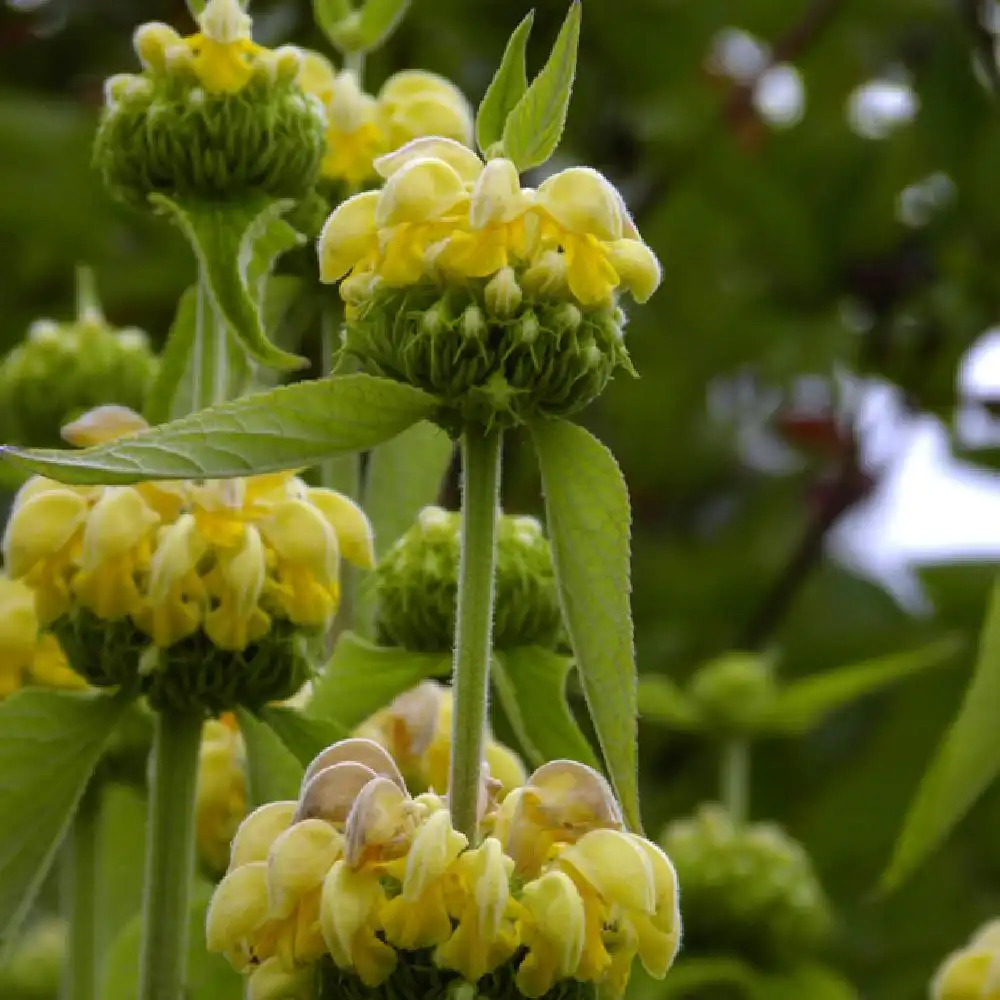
(221, 796)
(227, 557)
(555, 890)
(415, 729)
(973, 973)
(360, 127)
(445, 214)
(27, 657)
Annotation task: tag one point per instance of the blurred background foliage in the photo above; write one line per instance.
(819, 179)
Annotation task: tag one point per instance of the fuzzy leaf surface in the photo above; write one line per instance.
(289, 427)
(506, 88)
(589, 522)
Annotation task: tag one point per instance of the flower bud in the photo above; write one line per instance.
(750, 890)
(502, 293)
(735, 693)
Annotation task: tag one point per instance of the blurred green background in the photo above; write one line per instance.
(819, 180)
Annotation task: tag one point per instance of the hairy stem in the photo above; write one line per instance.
(735, 779)
(474, 623)
(169, 856)
(80, 898)
(210, 373)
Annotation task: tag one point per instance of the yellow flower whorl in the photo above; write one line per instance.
(502, 301)
(373, 891)
(972, 972)
(193, 593)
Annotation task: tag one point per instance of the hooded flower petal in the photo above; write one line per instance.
(460, 158)
(637, 267)
(238, 907)
(298, 862)
(421, 190)
(259, 831)
(582, 202)
(353, 529)
(349, 237)
(553, 931)
(40, 526)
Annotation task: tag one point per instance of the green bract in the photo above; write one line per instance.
(417, 585)
(165, 134)
(492, 355)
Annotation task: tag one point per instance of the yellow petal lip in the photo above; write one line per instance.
(583, 201)
(298, 862)
(460, 158)
(420, 191)
(377, 818)
(104, 423)
(497, 196)
(637, 267)
(348, 520)
(316, 75)
(272, 981)
(348, 235)
(356, 750)
(258, 831)
(299, 534)
(617, 868)
(238, 906)
(40, 527)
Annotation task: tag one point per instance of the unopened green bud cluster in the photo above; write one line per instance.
(165, 132)
(417, 585)
(492, 353)
(191, 675)
(750, 890)
(62, 369)
(735, 693)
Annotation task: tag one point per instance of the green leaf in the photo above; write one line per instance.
(405, 475)
(661, 700)
(236, 245)
(535, 125)
(209, 975)
(50, 743)
(506, 88)
(803, 704)
(589, 518)
(966, 762)
(289, 427)
(273, 771)
(531, 685)
(330, 14)
(304, 735)
(379, 19)
(362, 678)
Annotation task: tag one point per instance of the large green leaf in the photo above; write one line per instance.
(803, 704)
(404, 475)
(362, 678)
(589, 521)
(304, 735)
(209, 976)
(966, 762)
(329, 15)
(236, 244)
(535, 124)
(273, 771)
(285, 428)
(50, 743)
(506, 88)
(531, 684)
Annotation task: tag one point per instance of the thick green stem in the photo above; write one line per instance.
(355, 62)
(169, 856)
(210, 373)
(735, 779)
(80, 898)
(474, 623)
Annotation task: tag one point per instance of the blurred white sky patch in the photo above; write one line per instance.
(879, 107)
(780, 96)
(930, 507)
(739, 55)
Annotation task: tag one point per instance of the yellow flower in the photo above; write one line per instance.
(415, 103)
(418, 917)
(236, 583)
(18, 634)
(221, 796)
(117, 545)
(552, 929)
(486, 934)
(584, 214)
(221, 54)
(973, 973)
(258, 832)
(353, 136)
